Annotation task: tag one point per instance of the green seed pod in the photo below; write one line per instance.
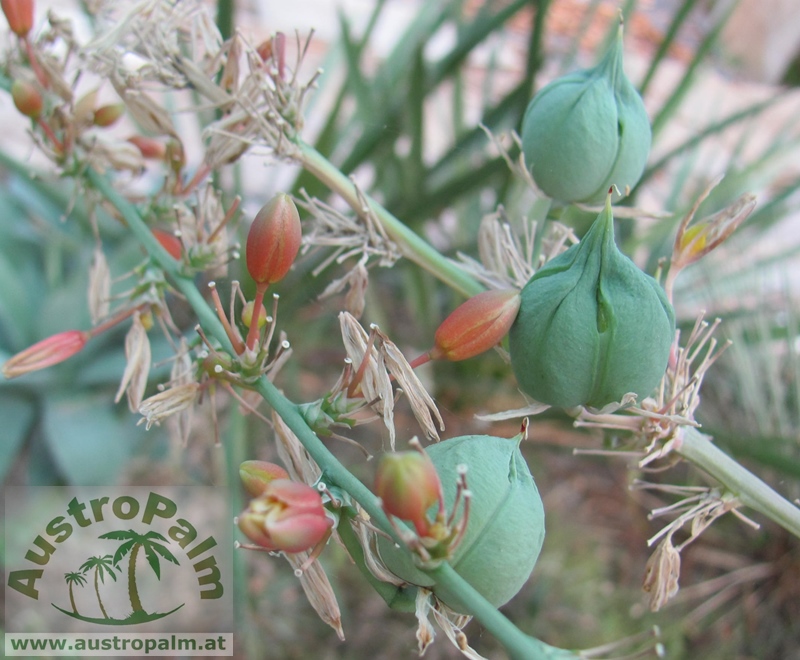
(586, 131)
(591, 326)
(505, 527)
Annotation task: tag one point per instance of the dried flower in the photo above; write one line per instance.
(46, 353)
(661, 574)
(137, 369)
(317, 589)
(273, 240)
(99, 286)
(476, 325)
(696, 241)
(288, 516)
(19, 14)
(167, 403)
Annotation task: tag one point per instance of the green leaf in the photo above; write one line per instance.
(17, 414)
(688, 78)
(89, 441)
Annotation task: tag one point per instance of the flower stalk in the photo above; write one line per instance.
(518, 644)
(748, 487)
(412, 246)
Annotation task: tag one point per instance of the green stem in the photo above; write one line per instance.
(395, 597)
(411, 245)
(747, 487)
(519, 645)
(507, 633)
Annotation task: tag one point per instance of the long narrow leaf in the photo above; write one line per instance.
(688, 78)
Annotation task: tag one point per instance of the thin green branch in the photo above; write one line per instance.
(517, 643)
(747, 487)
(412, 246)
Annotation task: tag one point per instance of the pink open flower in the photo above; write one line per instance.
(288, 516)
(46, 353)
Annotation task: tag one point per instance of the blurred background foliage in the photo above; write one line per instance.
(404, 119)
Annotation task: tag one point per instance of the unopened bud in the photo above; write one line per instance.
(46, 353)
(149, 147)
(408, 485)
(255, 476)
(19, 14)
(274, 240)
(476, 325)
(27, 99)
(169, 242)
(108, 114)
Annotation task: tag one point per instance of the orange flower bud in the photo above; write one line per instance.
(255, 476)
(169, 242)
(273, 240)
(476, 325)
(149, 147)
(288, 516)
(106, 115)
(46, 353)
(408, 484)
(27, 98)
(19, 14)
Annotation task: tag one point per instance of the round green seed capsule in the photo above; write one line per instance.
(587, 131)
(505, 528)
(591, 326)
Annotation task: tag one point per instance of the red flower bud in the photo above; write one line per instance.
(106, 115)
(19, 14)
(408, 484)
(288, 516)
(27, 98)
(149, 147)
(255, 476)
(46, 353)
(169, 242)
(476, 325)
(273, 240)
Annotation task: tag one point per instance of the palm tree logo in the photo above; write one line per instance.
(73, 579)
(102, 565)
(131, 543)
